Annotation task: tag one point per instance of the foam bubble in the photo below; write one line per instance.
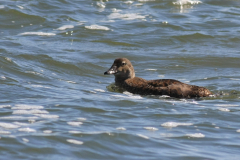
(48, 116)
(226, 105)
(145, 0)
(150, 69)
(74, 132)
(129, 16)
(101, 4)
(17, 117)
(128, 2)
(99, 90)
(4, 106)
(82, 119)
(186, 2)
(238, 130)
(74, 123)
(64, 27)
(21, 124)
(38, 33)
(140, 135)
(196, 135)
(127, 97)
(47, 131)
(8, 125)
(2, 6)
(34, 111)
(97, 27)
(224, 109)
(27, 130)
(20, 7)
(121, 128)
(175, 124)
(74, 141)
(26, 106)
(5, 132)
(25, 140)
(151, 128)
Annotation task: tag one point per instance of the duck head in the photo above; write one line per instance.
(122, 69)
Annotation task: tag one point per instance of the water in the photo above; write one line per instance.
(55, 103)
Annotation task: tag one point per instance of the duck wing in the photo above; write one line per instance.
(170, 87)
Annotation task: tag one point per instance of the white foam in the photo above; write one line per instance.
(26, 106)
(64, 27)
(27, 130)
(3, 77)
(224, 109)
(38, 33)
(146, 0)
(128, 2)
(47, 131)
(21, 124)
(129, 16)
(82, 119)
(8, 125)
(71, 82)
(121, 128)
(151, 128)
(74, 132)
(18, 117)
(101, 4)
(127, 93)
(150, 69)
(4, 106)
(235, 79)
(226, 105)
(175, 124)
(34, 111)
(5, 132)
(97, 27)
(196, 135)
(99, 90)
(74, 123)
(186, 2)
(238, 130)
(48, 116)
(127, 97)
(74, 141)
(25, 140)
(20, 7)
(2, 6)
(140, 135)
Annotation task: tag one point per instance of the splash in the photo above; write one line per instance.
(186, 2)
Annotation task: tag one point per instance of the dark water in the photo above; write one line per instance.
(54, 98)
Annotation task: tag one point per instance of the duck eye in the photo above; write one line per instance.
(123, 64)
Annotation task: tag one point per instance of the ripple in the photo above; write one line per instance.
(143, 136)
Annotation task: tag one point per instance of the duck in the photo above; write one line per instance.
(125, 78)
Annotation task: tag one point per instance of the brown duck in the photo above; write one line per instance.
(125, 78)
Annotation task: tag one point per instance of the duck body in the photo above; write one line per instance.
(125, 78)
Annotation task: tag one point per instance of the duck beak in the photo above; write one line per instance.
(112, 70)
